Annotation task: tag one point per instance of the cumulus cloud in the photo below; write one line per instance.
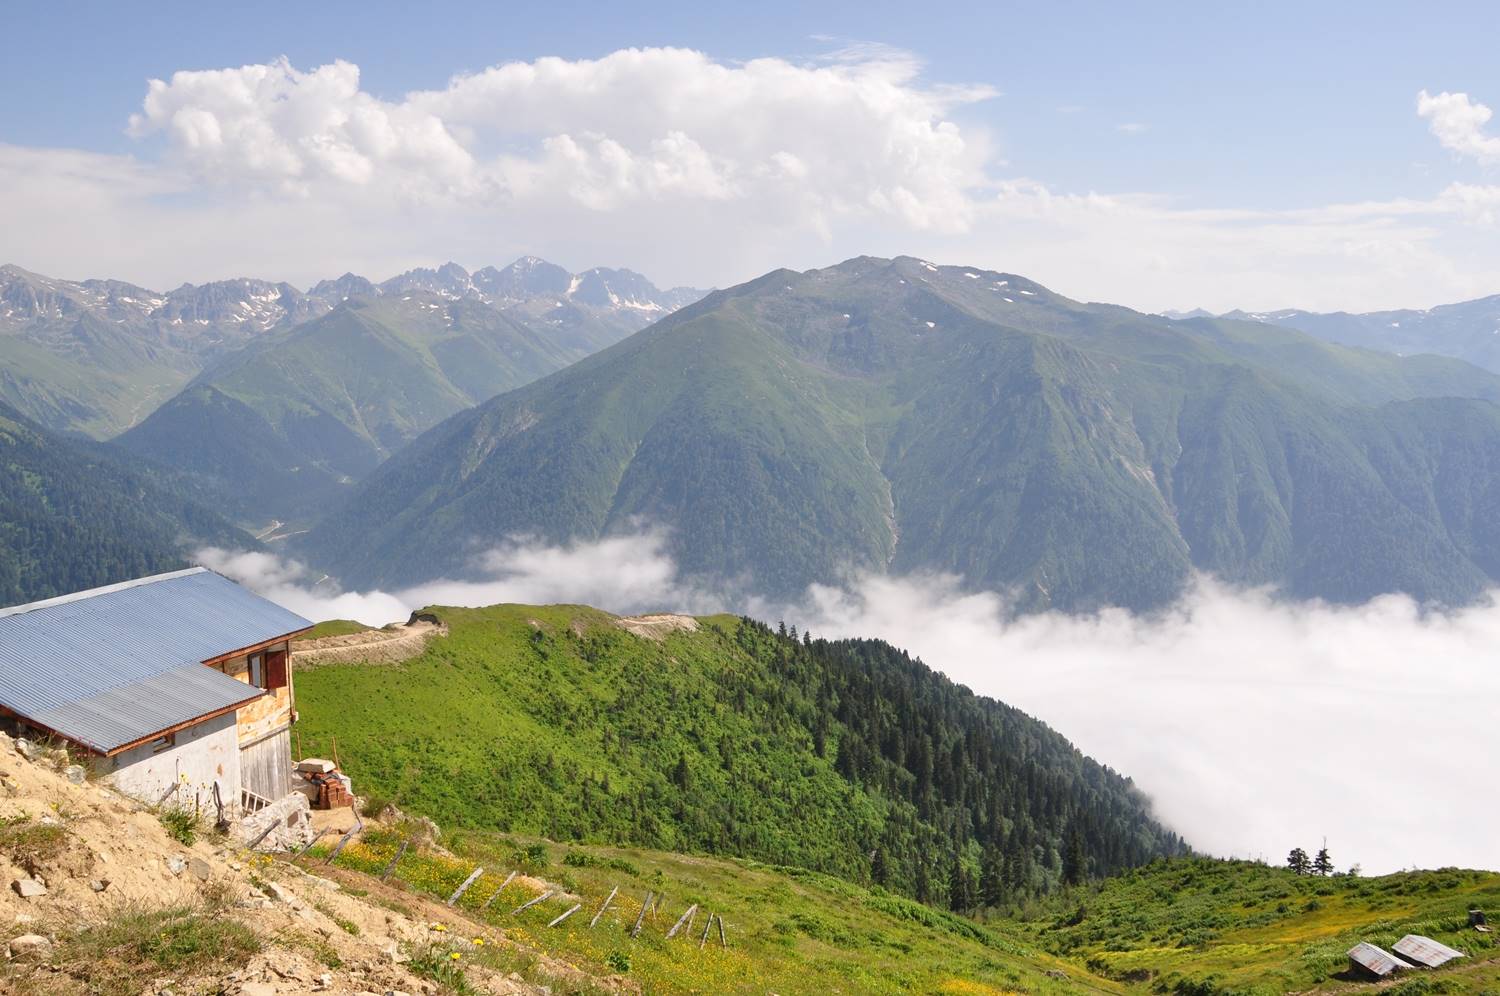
(858, 135)
(695, 171)
(1255, 724)
(1459, 123)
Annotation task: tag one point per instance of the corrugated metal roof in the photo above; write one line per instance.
(1424, 950)
(1376, 961)
(112, 665)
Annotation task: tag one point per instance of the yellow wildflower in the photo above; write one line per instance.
(455, 956)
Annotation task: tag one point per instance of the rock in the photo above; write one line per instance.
(27, 749)
(33, 946)
(282, 894)
(6, 743)
(99, 884)
(322, 982)
(76, 774)
(256, 989)
(201, 869)
(28, 888)
(176, 865)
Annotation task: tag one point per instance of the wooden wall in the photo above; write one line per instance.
(266, 766)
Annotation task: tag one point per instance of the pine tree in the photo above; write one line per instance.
(1075, 857)
(1323, 863)
(879, 873)
(992, 877)
(1298, 862)
(960, 889)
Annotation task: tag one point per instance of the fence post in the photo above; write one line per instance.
(603, 906)
(642, 915)
(691, 911)
(478, 871)
(570, 912)
(496, 894)
(391, 865)
(528, 905)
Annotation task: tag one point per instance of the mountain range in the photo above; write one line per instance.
(98, 356)
(1469, 330)
(894, 415)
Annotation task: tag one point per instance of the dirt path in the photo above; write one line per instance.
(391, 645)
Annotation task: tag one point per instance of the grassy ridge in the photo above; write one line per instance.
(848, 757)
(1206, 926)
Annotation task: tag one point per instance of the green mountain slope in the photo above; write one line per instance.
(291, 419)
(1195, 925)
(892, 414)
(74, 515)
(846, 757)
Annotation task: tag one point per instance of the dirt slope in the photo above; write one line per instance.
(79, 865)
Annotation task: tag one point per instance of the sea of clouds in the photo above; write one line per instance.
(1254, 724)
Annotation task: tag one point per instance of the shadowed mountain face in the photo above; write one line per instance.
(896, 415)
(74, 515)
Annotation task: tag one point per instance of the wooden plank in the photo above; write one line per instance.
(478, 871)
(722, 942)
(391, 865)
(528, 905)
(691, 911)
(603, 906)
(571, 911)
(707, 925)
(642, 916)
(496, 894)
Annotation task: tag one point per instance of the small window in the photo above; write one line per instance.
(257, 671)
(164, 743)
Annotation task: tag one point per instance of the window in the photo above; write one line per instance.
(276, 669)
(257, 671)
(164, 743)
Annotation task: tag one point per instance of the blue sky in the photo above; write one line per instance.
(1286, 107)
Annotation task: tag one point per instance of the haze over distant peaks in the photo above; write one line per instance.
(98, 356)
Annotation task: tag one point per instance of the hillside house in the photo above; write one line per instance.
(178, 679)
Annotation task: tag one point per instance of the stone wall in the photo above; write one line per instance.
(293, 818)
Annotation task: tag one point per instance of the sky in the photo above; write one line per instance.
(1156, 155)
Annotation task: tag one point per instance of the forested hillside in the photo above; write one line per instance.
(847, 757)
(894, 415)
(73, 515)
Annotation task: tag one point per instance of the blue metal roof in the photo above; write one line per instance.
(113, 665)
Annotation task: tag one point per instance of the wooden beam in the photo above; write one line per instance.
(603, 906)
(722, 942)
(528, 905)
(707, 926)
(391, 866)
(642, 916)
(316, 837)
(496, 894)
(478, 871)
(691, 911)
(571, 911)
(286, 638)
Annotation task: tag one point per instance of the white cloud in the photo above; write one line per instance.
(1255, 725)
(1459, 122)
(1130, 127)
(691, 170)
(855, 136)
